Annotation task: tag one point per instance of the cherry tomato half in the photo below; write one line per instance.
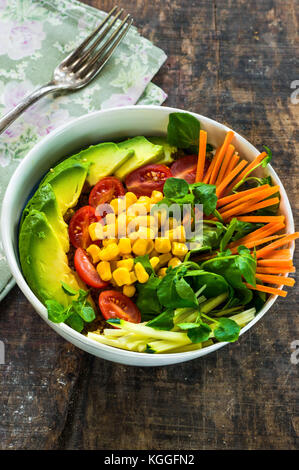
(148, 178)
(105, 190)
(78, 226)
(87, 271)
(185, 168)
(114, 304)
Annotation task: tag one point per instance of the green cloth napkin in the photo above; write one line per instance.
(34, 37)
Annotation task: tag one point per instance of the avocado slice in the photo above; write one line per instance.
(145, 153)
(104, 159)
(44, 200)
(43, 260)
(169, 150)
(67, 180)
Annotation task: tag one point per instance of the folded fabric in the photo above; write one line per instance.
(34, 37)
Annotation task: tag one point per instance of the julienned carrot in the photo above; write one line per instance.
(261, 218)
(201, 155)
(233, 197)
(279, 280)
(232, 164)
(258, 196)
(263, 252)
(284, 263)
(262, 232)
(248, 207)
(211, 166)
(283, 253)
(254, 243)
(267, 289)
(261, 205)
(228, 138)
(225, 163)
(230, 177)
(247, 170)
(275, 270)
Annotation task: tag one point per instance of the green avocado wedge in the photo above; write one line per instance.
(67, 180)
(44, 200)
(104, 159)
(169, 150)
(43, 260)
(144, 153)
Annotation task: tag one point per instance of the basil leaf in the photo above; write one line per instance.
(164, 321)
(205, 194)
(227, 330)
(199, 334)
(87, 313)
(57, 313)
(68, 289)
(183, 130)
(185, 292)
(147, 299)
(175, 188)
(75, 322)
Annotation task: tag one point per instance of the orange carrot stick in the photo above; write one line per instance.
(233, 197)
(267, 289)
(232, 164)
(225, 163)
(259, 195)
(201, 155)
(230, 177)
(228, 138)
(282, 253)
(284, 263)
(279, 280)
(250, 168)
(211, 166)
(262, 232)
(254, 243)
(247, 207)
(263, 252)
(275, 270)
(261, 218)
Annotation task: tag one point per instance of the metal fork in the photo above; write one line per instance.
(79, 67)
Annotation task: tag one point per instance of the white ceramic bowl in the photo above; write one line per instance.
(90, 129)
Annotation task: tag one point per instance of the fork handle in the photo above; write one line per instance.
(12, 115)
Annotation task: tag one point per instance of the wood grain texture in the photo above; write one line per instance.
(233, 61)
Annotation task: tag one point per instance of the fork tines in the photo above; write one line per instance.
(88, 58)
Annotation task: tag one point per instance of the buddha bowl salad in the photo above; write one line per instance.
(156, 244)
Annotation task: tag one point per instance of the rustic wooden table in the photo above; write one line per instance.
(234, 62)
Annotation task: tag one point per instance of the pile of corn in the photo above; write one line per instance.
(140, 235)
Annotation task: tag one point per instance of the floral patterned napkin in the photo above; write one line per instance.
(34, 36)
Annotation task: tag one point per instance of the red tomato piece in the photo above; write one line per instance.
(87, 271)
(185, 168)
(78, 226)
(147, 179)
(114, 304)
(105, 190)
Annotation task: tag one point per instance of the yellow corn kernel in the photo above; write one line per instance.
(121, 276)
(118, 205)
(139, 247)
(146, 202)
(110, 252)
(131, 198)
(108, 241)
(109, 231)
(141, 273)
(129, 291)
(149, 247)
(137, 209)
(177, 234)
(93, 231)
(174, 262)
(146, 221)
(104, 270)
(124, 246)
(156, 197)
(110, 219)
(163, 259)
(154, 261)
(162, 245)
(133, 278)
(154, 253)
(179, 249)
(126, 263)
(162, 272)
(94, 251)
(144, 233)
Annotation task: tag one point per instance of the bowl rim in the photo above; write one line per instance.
(64, 329)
